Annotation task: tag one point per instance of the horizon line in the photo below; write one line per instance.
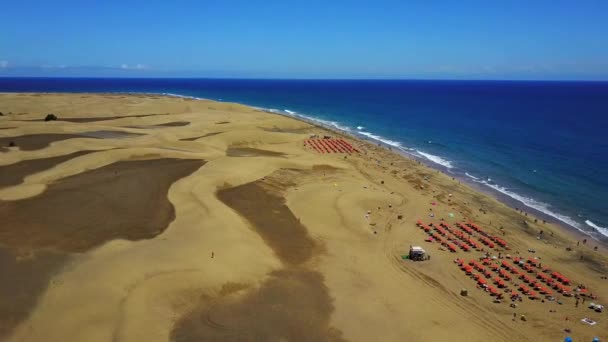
(308, 79)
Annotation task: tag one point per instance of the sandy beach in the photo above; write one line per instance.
(157, 218)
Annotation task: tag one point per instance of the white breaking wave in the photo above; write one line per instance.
(183, 96)
(601, 230)
(360, 127)
(325, 123)
(532, 203)
(436, 159)
(381, 139)
(471, 176)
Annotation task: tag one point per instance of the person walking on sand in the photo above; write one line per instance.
(576, 304)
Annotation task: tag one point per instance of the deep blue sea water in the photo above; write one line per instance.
(539, 144)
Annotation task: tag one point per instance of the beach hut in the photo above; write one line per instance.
(417, 253)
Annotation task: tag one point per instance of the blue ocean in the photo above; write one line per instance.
(543, 145)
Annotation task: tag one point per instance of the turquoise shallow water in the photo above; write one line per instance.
(537, 144)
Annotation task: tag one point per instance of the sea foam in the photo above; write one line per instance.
(601, 230)
(532, 203)
(381, 139)
(471, 176)
(436, 159)
(183, 96)
(325, 123)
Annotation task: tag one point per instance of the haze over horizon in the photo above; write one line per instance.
(543, 40)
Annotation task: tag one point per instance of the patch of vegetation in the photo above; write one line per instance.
(50, 117)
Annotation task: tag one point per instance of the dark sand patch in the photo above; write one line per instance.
(7, 127)
(24, 278)
(222, 122)
(173, 124)
(202, 136)
(36, 141)
(98, 118)
(276, 129)
(292, 305)
(166, 124)
(324, 167)
(110, 134)
(272, 219)
(14, 174)
(106, 118)
(251, 152)
(122, 200)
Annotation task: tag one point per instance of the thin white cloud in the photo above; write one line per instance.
(3, 64)
(133, 67)
(49, 66)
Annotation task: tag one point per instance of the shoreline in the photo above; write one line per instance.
(576, 233)
(509, 201)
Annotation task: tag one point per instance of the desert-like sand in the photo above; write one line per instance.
(153, 218)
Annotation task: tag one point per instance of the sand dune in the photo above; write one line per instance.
(180, 233)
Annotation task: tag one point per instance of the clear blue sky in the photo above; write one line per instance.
(513, 39)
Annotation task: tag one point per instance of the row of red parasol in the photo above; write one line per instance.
(330, 145)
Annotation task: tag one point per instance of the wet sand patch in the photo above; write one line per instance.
(14, 174)
(126, 200)
(272, 219)
(292, 305)
(251, 152)
(200, 137)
